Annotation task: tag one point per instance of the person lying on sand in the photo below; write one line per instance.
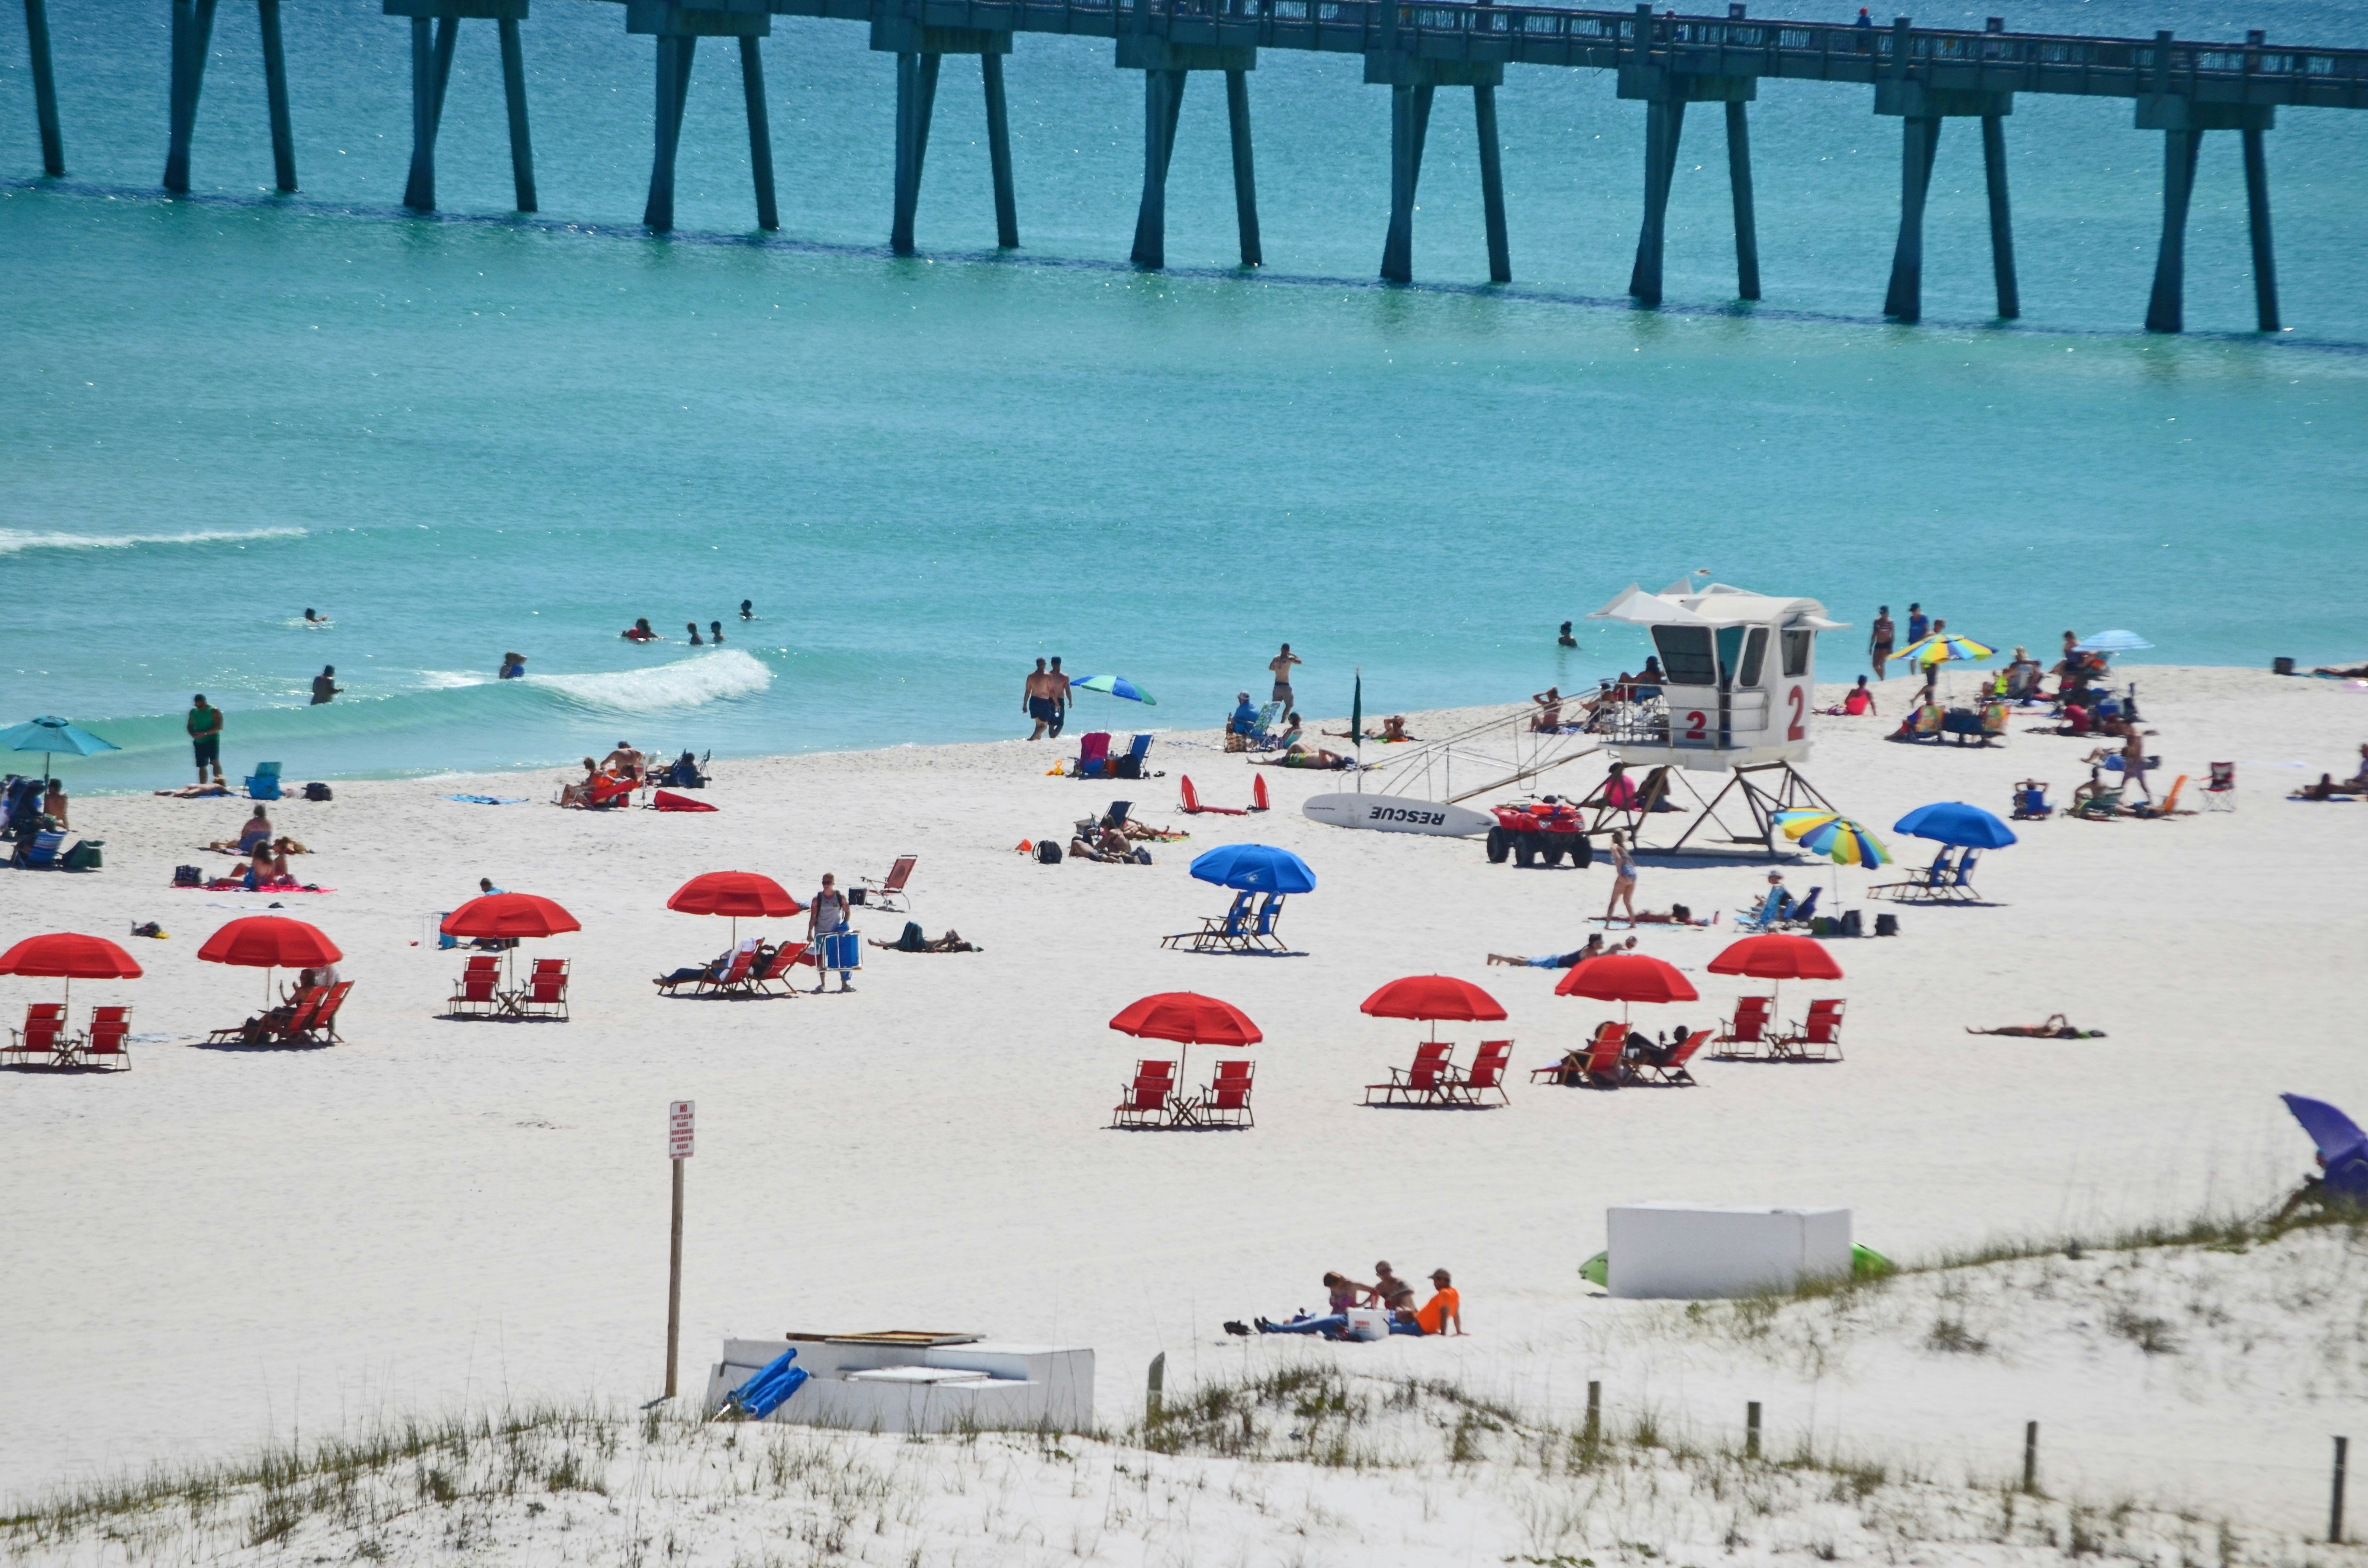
(195, 791)
(1109, 844)
(1593, 949)
(2055, 1028)
(1393, 729)
(1676, 914)
(914, 942)
(1300, 757)
(1145, 832)
(2357, 672)
(2325, 790)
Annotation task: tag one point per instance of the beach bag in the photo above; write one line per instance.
(1852, 926)
(84, 856)
(187, 877)
(317, 792)
(1823, 926)
(1047, 852)
(1886, 925)
(1143, 857)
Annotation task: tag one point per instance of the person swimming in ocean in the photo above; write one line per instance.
(692, 627)
(747, 611)
(640, 632)
(311, 619)
(716, 631)
(513, 666)
(324, 685)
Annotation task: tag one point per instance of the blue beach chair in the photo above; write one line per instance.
(263, 784)
(1216, 931)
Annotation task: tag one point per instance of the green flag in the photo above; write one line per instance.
(1357, 712)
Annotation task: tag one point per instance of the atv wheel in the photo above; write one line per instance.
(1498, 845)
(1551, 851)
(1525, 849)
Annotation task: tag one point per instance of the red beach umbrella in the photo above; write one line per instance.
(1188, 1018)
(1432, 997)
(1628, 977)
(735, 893)
(71, 956)
(269, 942)
(508, 914)
(1778, 956)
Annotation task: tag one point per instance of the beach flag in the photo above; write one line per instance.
(1357, 713)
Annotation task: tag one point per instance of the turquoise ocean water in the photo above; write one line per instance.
(474, 433)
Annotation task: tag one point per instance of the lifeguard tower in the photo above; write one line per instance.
(1739, 675)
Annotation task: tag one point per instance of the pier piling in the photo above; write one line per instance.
(916, 96)
(1648, 72)
(275, 88)
(513, 96)
(435, 37)
(1167, 66)
(920, 50)
(760, 132)
(1238, 118)
(2256, 209)
(45, 88)
(2010, 297)
(998, 151)
(2168, 103)
(1414, 81)
(1738, 179)
(193, 28)
(1919, 143)
(1908, 88)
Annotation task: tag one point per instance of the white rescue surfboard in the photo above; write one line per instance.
(1396, 813)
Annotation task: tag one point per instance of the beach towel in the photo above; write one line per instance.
(488, 799)
(667, 801)
(235, 884)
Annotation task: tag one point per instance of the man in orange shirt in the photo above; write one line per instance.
(1434, 1316)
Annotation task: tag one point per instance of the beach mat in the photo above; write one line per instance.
(667, 801)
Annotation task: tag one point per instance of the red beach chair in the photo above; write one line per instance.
(777, 971)
(479, 994)
(1673, 1070)
(546, 993)
(321, 1027)
(1422, 1083)
(1226, 1102)
(45, 1027)
(878, 894)
(1488, 1073)
(1817, 1037)
(1746, 1034)
(1145, 1104)
(103, 1046)
(733, 978)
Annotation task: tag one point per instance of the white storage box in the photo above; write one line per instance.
(1368, 1322)
(1687, 1250)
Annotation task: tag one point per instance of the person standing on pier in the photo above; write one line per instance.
(1879, 642)
(1281, 665)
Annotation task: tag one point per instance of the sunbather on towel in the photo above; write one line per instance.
(2325, 790)
(1593, 949)
(1300, 757)
(2055, 1028)
(914, 940)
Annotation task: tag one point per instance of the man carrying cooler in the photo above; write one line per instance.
(205, 725)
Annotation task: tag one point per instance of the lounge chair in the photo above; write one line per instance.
(1673, 1070)
(1217, 931)
(479, 994)
(1746, 1035)
(1191, 805)
(321, 1029)
(1421, 1084)
(1815, 1038)
(263, 784)
(545, 995)
(1093, 755)
(777, 971)
(292, 1019)
(2220, 789)
(1923, 881)
(1226, 1101)
(1802, 912)
(1959, 885)
(1607, 1066)
(880, 895)
(2031, 801)
(1129, 765)
(1486, 1074)
(1261, 934)
(735, 976)
(1145, 1101)
(43, 1036)
(1261, 735)
(2167, 806)
(102, 1046)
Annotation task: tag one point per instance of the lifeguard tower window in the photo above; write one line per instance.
(1796, 653)
(1685, 654)
(1755, 654)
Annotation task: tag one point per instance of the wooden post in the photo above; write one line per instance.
(45, 88)
(1593, 1431)
(514, 91)
(2030, 1457)
(674, 1282)
(916, 93)
(431, 72)
(1156, 1388)
(1237, 119)
(1738, 179)
(1751, 1430)
(2335, 1503)
(998, 150)
(2167, 309)
(2257, 206)
(193, 30)
(1163, 101)
(1492, 188)
(1664, 123)
(1919, 141)
(275, 87)
(760, 131)
(2010, 297)
(1410, 123)
(675, 55)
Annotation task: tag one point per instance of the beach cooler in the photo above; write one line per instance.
(1368, 1324)
(840, 952)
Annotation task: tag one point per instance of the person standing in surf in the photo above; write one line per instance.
(324, 687)
(1879, 640)
(1036, 700)
(205, 727)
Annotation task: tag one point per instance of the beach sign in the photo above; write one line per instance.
(678, 1128)
(1398, 813)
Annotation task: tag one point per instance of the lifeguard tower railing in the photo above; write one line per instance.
(1497, 753)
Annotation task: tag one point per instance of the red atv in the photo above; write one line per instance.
(1544, 829)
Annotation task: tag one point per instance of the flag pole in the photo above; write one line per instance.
(1356, 727)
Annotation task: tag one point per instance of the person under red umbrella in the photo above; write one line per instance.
(270, 942)
(1629, 977)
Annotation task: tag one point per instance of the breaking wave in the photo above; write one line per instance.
(15, 541)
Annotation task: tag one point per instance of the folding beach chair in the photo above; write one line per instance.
(1673, 1070)
(1226, 1101)
(1487, 1075)
(1146, 1098)
(1746, 1035)
(40, 850)
(1261, 934)
(1801, 913)
(883, 894)
(736, 974)
(43, 1036)
(102, 1046)
(1129, 765)
(1607, 1066)
(1419, 1084)
(321, 1029)
(479, 994)
(1093, 755)
(1217, 931)
(1958, 887)
(263, 784)
(777, 971)
(1816, 1039)
(1191, 805)
(2220, 789)
(545, 995)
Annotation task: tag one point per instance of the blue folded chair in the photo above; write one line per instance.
(40, 851)
(263, 784)
(770, 1389)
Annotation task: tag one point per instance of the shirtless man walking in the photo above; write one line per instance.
(1281, 665)
(1036, 700)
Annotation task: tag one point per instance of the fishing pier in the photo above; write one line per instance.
(1921, 77)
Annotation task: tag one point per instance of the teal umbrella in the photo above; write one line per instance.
(48, 736)
(1117, 686)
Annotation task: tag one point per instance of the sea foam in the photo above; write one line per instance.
(685, 682)
(15, 542)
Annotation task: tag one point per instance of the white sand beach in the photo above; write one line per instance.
(221, 1247)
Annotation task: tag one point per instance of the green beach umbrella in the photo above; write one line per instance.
(50, 735)
(1115, 685)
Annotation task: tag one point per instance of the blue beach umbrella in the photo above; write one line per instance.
(48, 736)
(2116, 642)
(1255, 867)
(1117, 686)
(1955, 823)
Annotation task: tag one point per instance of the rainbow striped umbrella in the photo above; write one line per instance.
(1931, 650)
(1833, 835)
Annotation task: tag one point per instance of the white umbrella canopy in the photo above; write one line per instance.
(1635, 606)
(2115, 642)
